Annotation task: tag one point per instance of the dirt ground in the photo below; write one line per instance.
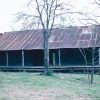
(15, 93)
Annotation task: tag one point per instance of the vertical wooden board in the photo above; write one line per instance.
(7, 58)
(59, 53)
(22, 58)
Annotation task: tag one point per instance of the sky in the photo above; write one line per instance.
(8, 9)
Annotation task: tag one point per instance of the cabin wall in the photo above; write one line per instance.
(3, 58)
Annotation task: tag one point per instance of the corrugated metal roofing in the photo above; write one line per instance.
(70, 37)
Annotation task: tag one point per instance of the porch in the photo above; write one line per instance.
(58, 58)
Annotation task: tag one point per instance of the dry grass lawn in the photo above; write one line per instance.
(32, 86)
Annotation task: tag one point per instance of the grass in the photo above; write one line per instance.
(32, 86)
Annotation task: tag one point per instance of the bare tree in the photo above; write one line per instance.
(45, 14)
(82, 51)
(93, 18)
(94, 60)
(94, 55)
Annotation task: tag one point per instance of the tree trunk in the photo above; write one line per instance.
(46, 52)
(99, 59)
(92, 70)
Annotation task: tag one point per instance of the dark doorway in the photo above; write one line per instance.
(14, 58)
(3, 58)
(54, 57)
(71, 57)
(33, 58)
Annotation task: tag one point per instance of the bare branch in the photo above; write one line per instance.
(53, 17)
(96, 51)
(49, 15)
(29, 2)
(40, 15)
(96, 62)
(96, 57)
(90, 19)
(97, 2)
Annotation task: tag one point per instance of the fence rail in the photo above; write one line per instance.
(56, 69)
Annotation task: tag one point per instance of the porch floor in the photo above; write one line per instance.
(56, 68)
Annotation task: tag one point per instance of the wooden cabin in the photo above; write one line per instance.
(25, 48)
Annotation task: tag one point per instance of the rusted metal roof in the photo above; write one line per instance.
(70, 37)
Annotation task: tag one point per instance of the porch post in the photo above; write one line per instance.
(54, 59)
(59, 53)
(7, 58)
(99, 56)
(22, 58)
